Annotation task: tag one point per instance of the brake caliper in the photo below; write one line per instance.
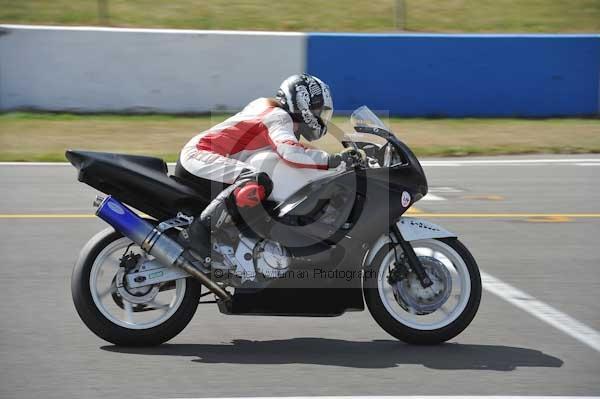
(398, 272)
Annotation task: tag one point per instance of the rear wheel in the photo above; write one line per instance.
(407, 311)
(122, 315)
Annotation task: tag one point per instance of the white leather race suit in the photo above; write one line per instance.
(219, 154)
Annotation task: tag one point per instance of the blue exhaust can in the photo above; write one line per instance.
(138, 230)
(124, 220)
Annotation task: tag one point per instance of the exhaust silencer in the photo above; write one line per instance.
(154, 242)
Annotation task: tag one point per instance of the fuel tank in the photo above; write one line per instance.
(286, 178)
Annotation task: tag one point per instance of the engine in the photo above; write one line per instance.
(271, 259)
(255, 258)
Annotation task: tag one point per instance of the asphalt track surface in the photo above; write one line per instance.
(532, 225)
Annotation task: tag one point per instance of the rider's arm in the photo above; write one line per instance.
(283, 141)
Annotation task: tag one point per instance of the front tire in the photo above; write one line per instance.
(419, 329)
(99, 321)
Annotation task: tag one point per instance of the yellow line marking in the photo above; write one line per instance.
(413, 210)
(484, 197)
(551, 217)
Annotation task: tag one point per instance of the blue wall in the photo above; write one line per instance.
(460, 75)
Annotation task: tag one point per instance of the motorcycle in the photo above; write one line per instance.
(322, 244)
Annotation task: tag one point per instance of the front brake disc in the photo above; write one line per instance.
(413, 298)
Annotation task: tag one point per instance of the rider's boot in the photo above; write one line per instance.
(248, 191)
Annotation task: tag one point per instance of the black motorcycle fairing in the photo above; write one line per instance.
(310, 302)
(139, 181)
(80, 159)
(382, 206)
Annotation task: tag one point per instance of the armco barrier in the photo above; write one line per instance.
(460, 75)
(189, 71)
(147, 70)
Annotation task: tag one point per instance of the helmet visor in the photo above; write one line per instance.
(326, 114)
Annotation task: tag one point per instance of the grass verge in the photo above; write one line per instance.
(315, 15)
(45, 137)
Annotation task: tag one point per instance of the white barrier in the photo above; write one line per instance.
(142, 70)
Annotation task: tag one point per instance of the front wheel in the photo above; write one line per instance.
(424, 316)
(126, 316)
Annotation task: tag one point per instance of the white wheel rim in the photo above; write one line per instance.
(454, 305)
(166, 302)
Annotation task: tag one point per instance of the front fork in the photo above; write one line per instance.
(410, 257)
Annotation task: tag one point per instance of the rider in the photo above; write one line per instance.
(302, 108)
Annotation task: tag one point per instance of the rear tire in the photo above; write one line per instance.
(106, 329)
(422, 336)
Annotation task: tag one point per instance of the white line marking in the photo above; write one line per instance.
(509, 161)
(445, 190)
(433, 197)
(542, 311)
(146, 30)
(587, 164)
(458, 162)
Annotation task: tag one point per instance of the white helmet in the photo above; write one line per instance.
(308, 100)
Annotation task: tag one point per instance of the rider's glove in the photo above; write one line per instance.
(350, 156)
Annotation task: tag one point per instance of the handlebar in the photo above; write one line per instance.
(406, 155)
